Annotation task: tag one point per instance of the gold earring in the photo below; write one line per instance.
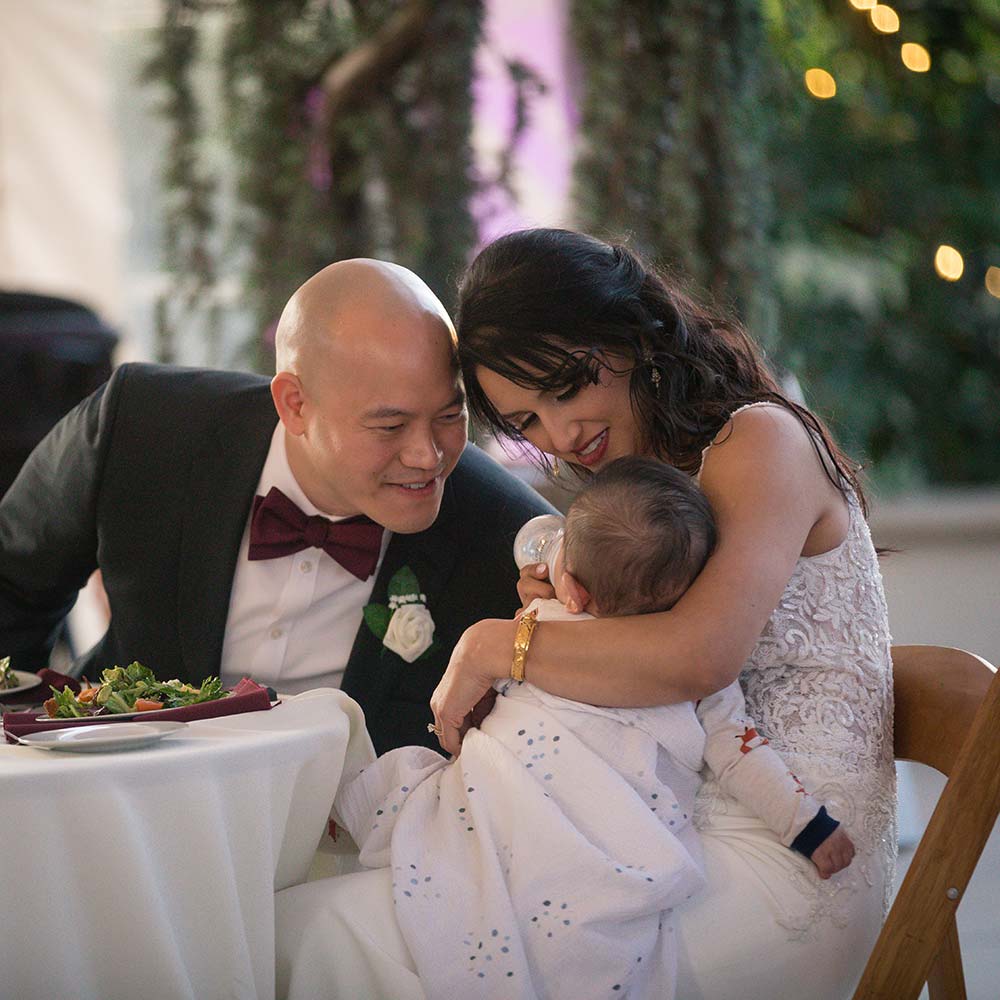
(654, 375)
(555, 466)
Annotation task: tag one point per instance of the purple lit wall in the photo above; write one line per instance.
(534, 32)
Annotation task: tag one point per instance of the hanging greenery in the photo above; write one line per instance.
(674, 127)
(188, 215)
(349, 124)
(425, 161)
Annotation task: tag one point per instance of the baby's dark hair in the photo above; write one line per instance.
(636, 536)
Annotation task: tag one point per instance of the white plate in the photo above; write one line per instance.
(28, 681)
(105, 738)
(96, 719)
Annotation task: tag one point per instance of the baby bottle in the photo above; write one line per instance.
(539, 541)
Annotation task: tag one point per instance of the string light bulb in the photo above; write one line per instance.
(915, 57)
(863, 4)
(948, 263)
(884, 19)
(993, 281)
(820, 83)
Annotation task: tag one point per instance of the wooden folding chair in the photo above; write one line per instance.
(948, 716)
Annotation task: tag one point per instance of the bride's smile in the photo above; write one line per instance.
(589, 425)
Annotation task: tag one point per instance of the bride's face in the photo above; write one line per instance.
(590, 426)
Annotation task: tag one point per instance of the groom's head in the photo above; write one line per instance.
(369, 392)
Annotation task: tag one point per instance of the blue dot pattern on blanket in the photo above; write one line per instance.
(506, 876)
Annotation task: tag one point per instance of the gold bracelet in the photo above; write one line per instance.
(522, 640)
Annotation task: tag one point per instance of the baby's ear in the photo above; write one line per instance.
(577, 597)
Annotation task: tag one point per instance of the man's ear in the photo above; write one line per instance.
(289, 400)
(577, 596)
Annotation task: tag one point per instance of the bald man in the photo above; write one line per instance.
(242, 525)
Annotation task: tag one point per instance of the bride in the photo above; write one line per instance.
(579, 348)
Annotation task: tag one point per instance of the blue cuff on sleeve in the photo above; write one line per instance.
(814, 832)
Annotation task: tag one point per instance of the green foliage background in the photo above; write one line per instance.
(674, 142)
(867, 186)
(392, 178)
(816, 221)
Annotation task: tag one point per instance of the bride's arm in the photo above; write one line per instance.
(768, 491)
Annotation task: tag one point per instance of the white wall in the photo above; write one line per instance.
(943, 586)
(61, 205)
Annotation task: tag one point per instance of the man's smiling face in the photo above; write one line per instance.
(377, 416)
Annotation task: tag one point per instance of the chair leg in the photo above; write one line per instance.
(947, 980)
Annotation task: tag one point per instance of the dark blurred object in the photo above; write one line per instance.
(53, 353)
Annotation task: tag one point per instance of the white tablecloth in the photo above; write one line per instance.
(151, 874)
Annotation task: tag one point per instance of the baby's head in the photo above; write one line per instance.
(636, 536)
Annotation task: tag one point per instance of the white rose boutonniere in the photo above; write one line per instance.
(410, 632)
(405, 626)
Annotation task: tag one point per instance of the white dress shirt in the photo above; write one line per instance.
(292, 620)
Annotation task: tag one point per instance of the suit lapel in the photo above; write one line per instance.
(221, 484)
(372, 670)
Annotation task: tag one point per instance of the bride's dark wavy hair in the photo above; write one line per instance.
(549, 308)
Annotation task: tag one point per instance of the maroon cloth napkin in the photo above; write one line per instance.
(247, 696)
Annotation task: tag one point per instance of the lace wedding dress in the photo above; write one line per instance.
(819, 685)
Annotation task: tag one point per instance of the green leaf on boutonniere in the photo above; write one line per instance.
(404, 581)
(377, 618)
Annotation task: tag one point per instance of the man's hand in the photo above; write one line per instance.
(834, 854)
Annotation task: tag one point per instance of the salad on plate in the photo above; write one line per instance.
(127, 690)
(8, 677)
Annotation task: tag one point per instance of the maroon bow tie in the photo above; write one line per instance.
(279, 528)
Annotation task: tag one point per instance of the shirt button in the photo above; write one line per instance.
(306, 566)
(277, 633)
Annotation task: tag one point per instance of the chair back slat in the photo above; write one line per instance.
(947, 715)
(938, 691)
(946, 979)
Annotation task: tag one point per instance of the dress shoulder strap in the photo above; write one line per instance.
(750, 406)
(739, 409)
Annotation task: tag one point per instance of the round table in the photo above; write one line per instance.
(151, 873)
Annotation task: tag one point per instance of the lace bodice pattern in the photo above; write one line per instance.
(818, 683)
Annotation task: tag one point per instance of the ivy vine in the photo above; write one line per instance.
(350, 125)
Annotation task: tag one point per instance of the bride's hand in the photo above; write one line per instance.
(481, 656)
(534, 582)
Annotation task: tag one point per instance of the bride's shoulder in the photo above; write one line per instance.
(760, 427)
(761, 447)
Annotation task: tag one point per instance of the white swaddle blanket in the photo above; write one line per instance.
(545, 861)
(538, 864)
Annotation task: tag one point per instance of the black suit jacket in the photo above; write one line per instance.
(151, 479)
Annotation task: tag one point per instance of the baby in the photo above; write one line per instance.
(636, 536)
(548, 857)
